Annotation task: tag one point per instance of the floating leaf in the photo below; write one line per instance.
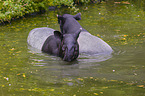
(113, 80)
(125, 35)
(91, 77)
(125, 2)
(140, 85)
(18, 52)
(6, 63)
(12, 49)
(80, 79)
(18, 74)
(51, 89)
(24, 75)
(96, 94)
(6, 78)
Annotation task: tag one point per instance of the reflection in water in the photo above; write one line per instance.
(53, 66)
(98, 65)
(86, 58)
(83, 58)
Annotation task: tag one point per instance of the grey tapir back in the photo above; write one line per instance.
(92, 45)
(37, 37)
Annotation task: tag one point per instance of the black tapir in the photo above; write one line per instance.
(63, 45)
(68, 43)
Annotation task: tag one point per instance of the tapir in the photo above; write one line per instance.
(88, 43)
(67, 44)
(63, 45)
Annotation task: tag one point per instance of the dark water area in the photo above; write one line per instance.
(25, 71)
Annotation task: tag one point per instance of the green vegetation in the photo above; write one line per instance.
(10, 9)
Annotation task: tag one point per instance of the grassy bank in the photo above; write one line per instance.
(12, 9)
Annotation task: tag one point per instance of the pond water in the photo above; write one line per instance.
(25, 71)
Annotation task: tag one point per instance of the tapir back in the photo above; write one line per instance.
(38, 36)
(87, 43)
(92, 45)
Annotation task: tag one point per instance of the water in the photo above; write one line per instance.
(25, 71)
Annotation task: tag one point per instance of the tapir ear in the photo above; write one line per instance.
(59, 18)
(58, 34)
(78, 16)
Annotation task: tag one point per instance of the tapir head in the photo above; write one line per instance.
(69, 47)
(62, 19)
